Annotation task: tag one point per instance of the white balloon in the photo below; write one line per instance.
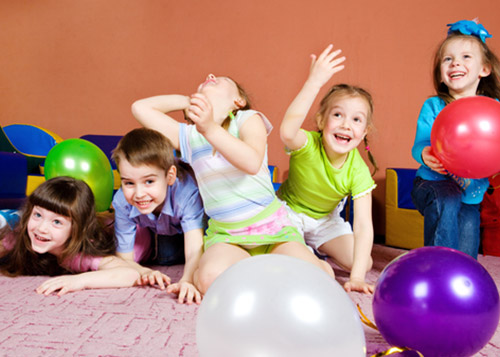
(274, 305)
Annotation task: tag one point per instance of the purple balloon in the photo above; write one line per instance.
(438, 301)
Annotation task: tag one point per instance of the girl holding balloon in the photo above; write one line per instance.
(59, 234)
(464, 66)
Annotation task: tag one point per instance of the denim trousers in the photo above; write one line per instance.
(167, 250)
(448, 222)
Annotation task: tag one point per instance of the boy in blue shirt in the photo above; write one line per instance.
(159, 215)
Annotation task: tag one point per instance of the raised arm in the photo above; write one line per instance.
(152, 113)
(246, 152)
(322, 69)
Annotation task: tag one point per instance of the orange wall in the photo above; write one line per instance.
(74, 67)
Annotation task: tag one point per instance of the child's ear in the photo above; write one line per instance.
(240, 102)
(485, 71)
(319, 121)
(171, 175)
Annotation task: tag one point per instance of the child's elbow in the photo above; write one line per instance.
(252, 168)
(285, 135)
(136, 109)
(253, 172)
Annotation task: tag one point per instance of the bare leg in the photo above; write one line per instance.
(341, 250)
(299, 250)
(214, 261)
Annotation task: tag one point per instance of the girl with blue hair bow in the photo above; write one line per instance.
(464, 66)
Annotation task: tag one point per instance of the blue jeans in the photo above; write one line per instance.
(167, 250)
(448, 222)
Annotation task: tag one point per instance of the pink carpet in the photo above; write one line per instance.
(137, 321)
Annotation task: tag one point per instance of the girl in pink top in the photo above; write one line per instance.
(59, 235)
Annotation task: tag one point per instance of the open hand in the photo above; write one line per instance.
(359, 285)
(325, 66)
(186, 292)
(64, 284)
(154, 277)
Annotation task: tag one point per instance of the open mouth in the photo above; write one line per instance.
(208, 81)
(455, 75)
(143, 204)
(41, 239)
(342, 138)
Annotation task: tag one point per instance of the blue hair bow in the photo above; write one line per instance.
(467, 27)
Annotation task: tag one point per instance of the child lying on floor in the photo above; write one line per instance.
(59, 235)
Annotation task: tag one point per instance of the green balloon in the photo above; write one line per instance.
(83, 160)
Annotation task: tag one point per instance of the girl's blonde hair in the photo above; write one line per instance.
(67, 197)
(244, 95)
(346, 90)
(488, 86)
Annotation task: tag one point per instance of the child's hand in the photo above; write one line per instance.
(359, 285)
(200, 112)
(63, 283)
(154, 277)
(325, 66)
(186, 292)
(432, 161)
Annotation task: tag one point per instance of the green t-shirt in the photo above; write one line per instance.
(314, 187)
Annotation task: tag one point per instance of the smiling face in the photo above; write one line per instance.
(462, 67)
(344, 126)
(48, 231)
(145, 186)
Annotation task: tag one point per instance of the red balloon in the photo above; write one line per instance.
(466, 137)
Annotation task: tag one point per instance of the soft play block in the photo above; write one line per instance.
(13, 176)
(31, 141)
(404, 226)
(33, 182)
(273, 171)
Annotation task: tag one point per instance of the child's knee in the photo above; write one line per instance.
(326, 267)
(289, 248)
(205, 276)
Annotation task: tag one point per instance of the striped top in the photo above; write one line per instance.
(229, 194)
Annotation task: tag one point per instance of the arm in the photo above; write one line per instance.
(322, 69)
(113, 273)
(246, 152)
(422, 150)
(193, 249)
(129, 238)
(363, 242)
(151, 113)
